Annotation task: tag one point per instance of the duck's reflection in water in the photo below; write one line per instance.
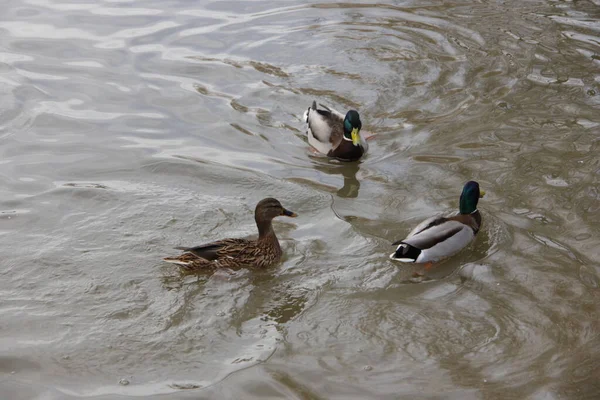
(348, 170)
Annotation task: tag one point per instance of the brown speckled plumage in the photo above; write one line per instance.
(239, 253)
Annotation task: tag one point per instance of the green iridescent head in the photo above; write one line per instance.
(352, 127)
(470, 197)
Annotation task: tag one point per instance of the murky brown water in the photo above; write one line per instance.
(129, 127)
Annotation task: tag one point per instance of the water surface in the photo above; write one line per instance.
(129, 127)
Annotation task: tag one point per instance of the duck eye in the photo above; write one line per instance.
(348, 125)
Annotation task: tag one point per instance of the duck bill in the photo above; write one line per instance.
(481, 194)
(355, 137)
(289, 213)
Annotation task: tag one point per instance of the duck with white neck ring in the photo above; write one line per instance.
(440, 237)
(335, 135)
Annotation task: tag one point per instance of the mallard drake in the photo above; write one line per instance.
(330, 133)
(236, 253)
(439, 237)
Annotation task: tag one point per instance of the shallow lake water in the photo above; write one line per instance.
(129, 127)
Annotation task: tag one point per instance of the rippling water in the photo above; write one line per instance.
(129, 127)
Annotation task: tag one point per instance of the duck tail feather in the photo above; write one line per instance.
(313, 107)
(405, 253)
(177, 261)
(403, 260)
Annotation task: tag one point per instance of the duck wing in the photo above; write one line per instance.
(336, 119)
(433, 239)
(324, 127)
(214, 250)
(436, 233)
(336, 113)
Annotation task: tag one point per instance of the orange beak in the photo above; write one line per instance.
(289, 213)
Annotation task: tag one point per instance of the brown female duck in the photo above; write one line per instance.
(237, 253)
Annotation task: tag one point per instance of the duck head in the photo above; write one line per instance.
(352, 127)
(269, 208)
(470, 197)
